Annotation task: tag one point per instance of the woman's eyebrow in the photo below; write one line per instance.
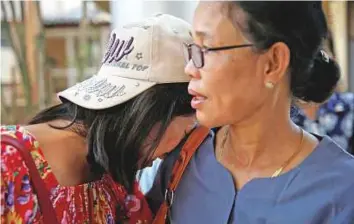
(202, 34)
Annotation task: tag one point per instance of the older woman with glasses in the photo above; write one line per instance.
(249, 62)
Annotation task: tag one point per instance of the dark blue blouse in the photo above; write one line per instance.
(320, 190)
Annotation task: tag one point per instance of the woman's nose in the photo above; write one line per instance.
(191, 70)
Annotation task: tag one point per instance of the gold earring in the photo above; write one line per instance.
(269, 85)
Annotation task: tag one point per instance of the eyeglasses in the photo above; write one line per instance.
(196, 53)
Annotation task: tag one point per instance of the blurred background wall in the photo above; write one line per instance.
(49, 45)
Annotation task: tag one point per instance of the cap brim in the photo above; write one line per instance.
(102, 92)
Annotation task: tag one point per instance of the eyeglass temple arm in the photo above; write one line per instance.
(228, 47)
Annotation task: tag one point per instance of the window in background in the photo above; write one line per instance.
(92, 51)
(5, 42)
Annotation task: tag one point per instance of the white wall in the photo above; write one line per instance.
(351, 74)
(351, 37)
(339, 26)
(8, 62)
(125, 11)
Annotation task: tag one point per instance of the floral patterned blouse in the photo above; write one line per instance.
(94, 202)
(335, 118)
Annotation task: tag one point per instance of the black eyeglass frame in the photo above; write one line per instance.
(204, 50)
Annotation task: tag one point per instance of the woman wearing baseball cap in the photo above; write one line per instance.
(87, 150)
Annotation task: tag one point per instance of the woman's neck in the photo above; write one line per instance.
(268, 137)
(311, 111)
(65, 151)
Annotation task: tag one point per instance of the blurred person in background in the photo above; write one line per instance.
(352, 140)
(334, 117)
(88, 149)
(248, 62)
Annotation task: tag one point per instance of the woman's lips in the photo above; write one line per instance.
(197, 100)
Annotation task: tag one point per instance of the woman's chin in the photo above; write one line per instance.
(205, 119)
(211, 120)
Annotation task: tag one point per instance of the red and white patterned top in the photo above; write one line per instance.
(94, 202)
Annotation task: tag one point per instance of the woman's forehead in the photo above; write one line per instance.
(212, 22)
(208, 16)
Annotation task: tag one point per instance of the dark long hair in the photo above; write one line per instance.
(115, 136)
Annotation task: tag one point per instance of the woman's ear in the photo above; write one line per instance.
(277, 63)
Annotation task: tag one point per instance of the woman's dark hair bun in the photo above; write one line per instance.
(313, 75)
(321, 81)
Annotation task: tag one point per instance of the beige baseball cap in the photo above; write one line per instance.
(138, 56)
